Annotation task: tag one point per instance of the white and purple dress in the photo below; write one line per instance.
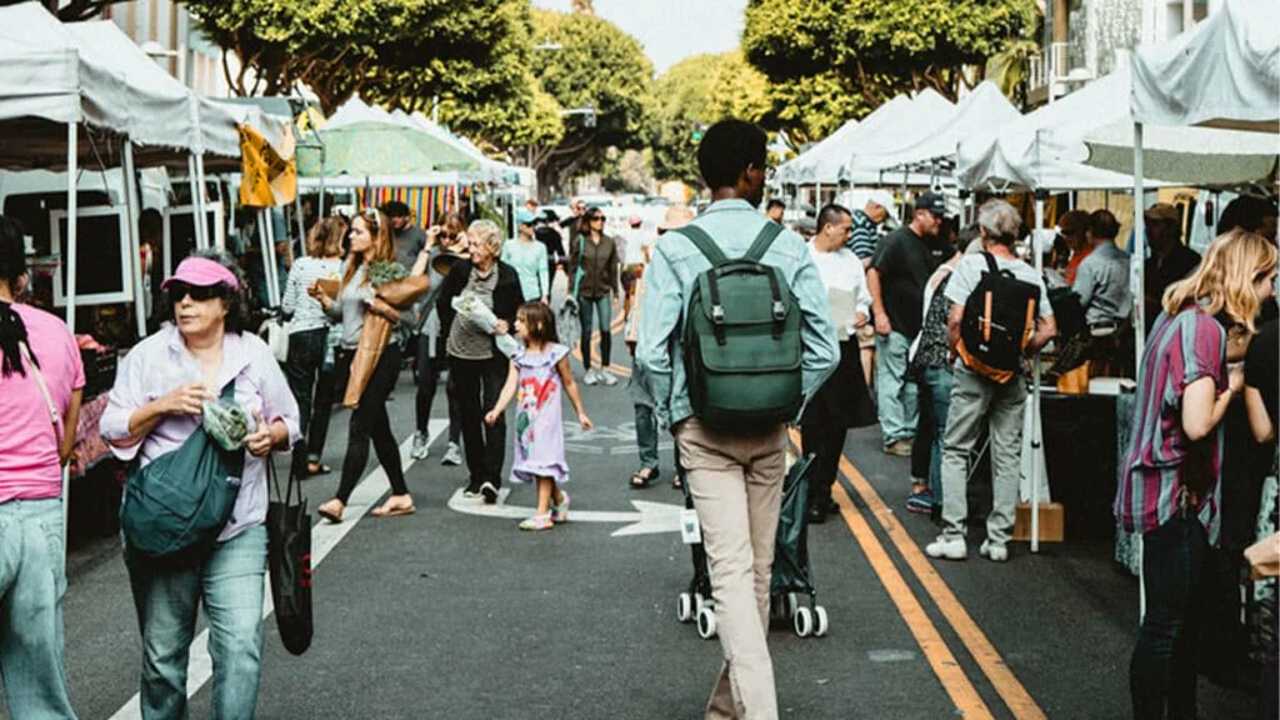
(539, 441)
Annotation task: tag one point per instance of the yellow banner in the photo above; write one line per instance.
(267, 178)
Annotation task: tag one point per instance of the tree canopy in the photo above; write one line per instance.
(601, 75)
(852, 55)
(695, 93)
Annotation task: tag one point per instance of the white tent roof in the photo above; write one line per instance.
(42, 73)
(803, 168)
(934, 134)
(162, 111)
(899, 122)
(492, 169)
(1206, 157)
(1225, 71)
(1045, 149)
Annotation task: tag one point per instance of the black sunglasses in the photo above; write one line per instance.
(596, 217)
(199, 293)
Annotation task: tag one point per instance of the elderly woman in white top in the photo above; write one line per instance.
(155, 405)
(843, 401)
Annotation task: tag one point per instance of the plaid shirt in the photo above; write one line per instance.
(1180, 350)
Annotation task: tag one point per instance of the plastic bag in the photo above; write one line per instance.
(227, 423)
(469, 306)
(508, 345)
(568, 326)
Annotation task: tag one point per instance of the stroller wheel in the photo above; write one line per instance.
(699, 602)
(706, 623)
(684, 608)
(803, 621)
(820, 625)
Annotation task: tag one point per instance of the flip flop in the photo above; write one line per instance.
(393, 512)
(328, 515)
(640, 480)
(321, 469)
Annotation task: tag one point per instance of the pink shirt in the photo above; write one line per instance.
(29, 467)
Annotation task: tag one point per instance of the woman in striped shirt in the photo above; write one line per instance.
(1168, 486)
(308, 332)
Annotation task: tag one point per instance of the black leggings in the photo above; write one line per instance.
(479, 382)
(429, 371)
(369, 421)
(826, 442)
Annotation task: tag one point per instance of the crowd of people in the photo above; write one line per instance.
(880, 322)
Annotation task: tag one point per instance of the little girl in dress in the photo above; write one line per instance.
(537, 374)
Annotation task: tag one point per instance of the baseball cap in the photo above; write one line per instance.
(933, 202)
(201, 272)
(524, 217)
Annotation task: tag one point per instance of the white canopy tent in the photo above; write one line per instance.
(803, 168)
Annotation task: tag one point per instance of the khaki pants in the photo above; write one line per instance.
(736, 483)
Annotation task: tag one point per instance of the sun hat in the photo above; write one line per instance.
(201, 272)
(677, 217)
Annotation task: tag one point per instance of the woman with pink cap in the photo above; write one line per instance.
(155, 406)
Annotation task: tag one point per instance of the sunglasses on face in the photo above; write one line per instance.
(199, 293)
(597, 218)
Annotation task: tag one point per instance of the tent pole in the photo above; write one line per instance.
(1041, 195)
(73, 140)
(302, 226)
(204, 219)
(269, 257)
(1137, 257)
(132, 204)
(197, 220)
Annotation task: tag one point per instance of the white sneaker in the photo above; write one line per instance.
(608, 378)
(420, 449)
(590, 378)
(951, 548)
(994, 552)
(453, 455)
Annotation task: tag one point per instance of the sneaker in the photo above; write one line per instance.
(920, 502)
(994, 552)
(453, 455)
(949, 547)
(470, 494)
(420, 450)
(899, 448)
(590, 378)
(560, 513)
(490, 493)
(537, 522)
(607, 377)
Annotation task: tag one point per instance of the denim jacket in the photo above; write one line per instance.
(669, 280)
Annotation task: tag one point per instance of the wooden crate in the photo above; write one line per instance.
(1052, 522)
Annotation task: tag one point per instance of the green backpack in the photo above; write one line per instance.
(180, 501)
(742, 339)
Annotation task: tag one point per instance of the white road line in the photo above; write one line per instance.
(324, 538)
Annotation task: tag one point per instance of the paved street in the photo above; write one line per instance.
(447, 614)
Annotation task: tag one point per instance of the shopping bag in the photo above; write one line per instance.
(568, 326)
(289, 561)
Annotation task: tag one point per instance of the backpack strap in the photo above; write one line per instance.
(991, 262)
(701, 240)
(764, 240)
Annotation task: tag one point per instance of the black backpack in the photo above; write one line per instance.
(742, 345)
(998, 322)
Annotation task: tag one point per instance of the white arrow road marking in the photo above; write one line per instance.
(647, 518)
(324, 538)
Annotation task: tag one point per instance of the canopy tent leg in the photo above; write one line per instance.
(204, 220)
(1035, 390)
(267, 233)
(73, 152)
(132, 207)
(1137, 256)
(197, 219)
(302, 226)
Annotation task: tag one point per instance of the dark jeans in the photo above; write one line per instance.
(303, 370)
(369, 421)
(647, 436)
(429, 371)
(922, 446)
(935, 402)
(602, 309)
(1162, 672)
(826, 442)
(478, 384)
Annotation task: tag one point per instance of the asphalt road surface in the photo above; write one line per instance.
(452, 614)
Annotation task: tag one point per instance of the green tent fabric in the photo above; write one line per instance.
(375, 148)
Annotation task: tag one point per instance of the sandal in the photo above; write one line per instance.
(677, 483)
(314, 469)
(643, 477)
(394, 511)
(328, 512)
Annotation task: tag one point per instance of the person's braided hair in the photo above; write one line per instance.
(13, 332)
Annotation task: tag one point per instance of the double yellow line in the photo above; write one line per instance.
(954, 681)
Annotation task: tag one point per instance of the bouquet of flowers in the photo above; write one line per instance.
(393, 288)
(475, 311)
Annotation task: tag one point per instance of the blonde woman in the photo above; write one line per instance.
(371, 241)
(308, 336)
(479, 369)
(1169, 486)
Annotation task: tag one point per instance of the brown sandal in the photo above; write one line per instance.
(326, 511)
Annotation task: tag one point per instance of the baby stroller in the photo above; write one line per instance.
(792, 571)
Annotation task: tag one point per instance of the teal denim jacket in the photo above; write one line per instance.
(670, 277)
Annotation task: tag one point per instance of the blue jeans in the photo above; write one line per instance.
(229, 583)
(602, 309)
(895, 394)
(33, 581)
(937, 385)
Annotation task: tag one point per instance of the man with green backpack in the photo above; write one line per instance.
(735, 336)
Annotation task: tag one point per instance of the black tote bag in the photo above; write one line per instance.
(289, 559)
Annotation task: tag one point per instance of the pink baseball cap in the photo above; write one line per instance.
(202, 272)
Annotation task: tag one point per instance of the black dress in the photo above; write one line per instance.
(843, 402)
